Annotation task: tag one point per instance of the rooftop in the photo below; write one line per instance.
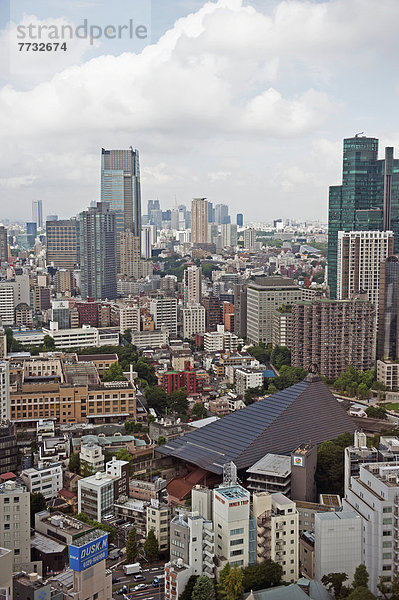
(233, 492)
(334, 516)
(277, 424)
(272, 464)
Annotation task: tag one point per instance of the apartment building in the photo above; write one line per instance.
(15, 522)
(158, 519)
(193, 317)
(333, 334)
(388, 373)
(220, 340)
(164, 311)
(374, 496)
(248, 378)
(96, 496)
(4, 390)
(47, 481)
(281, 327)
(92, 457)
(277, 532)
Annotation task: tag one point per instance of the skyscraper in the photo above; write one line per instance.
(98, 252)
(3, 244)
(37, 213)
(222, 214)
(120, 187)
(240, 219)
(250, 239)
(199, 221)
(388, 310)
(192, 285)
(31, 232)
(358, 263)
(367, 199)
(62, 243)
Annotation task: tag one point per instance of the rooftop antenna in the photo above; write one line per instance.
(360, 133)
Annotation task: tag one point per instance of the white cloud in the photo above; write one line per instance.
(226, 85)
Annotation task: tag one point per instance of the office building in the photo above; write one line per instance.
(303, 471)
(96, 496)
(164, 311)
(158, 519)
(15, 522)
(199, 221)
(264, 296)
(277, 532)
(231, 506)
(282, 327)
(222, 214)
(193, 320)
(37, 213)
(373, 495)
(240, 220)
(358, 262)
(3, 245)
(60, 313)
(87, 560)
(62, 243)
(192, 285)
(367, 199)
(120, 187)
(248, 378)
(250, 239)
(388, 309)
(338, 543)
(47, 481)
(98, 252)
(212, 312)
(333, 334)
(229, 235)
(3, 342)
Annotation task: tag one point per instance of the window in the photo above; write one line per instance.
(236, 552)
(236, 542)
(236, 531)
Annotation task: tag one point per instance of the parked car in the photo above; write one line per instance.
(139, 577)
(140, 586)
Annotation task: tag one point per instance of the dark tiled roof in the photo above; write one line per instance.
(306, 411)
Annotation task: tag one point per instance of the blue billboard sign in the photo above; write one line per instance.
(87, 555)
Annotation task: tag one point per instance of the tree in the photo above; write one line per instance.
(114, 373)
(74, 463)
(177, 401)
(103, 526)
(37, 504)
(334, 581)
(261, 576)
(376, 412)
(361, 577)
(361, 593)
(199, 410)
(203, 589)
(188, 590)
(151, 545)
(161, 440)
(156, 397)
(48, 342)
(389, 588)
(280, 355)
(124, 454)
(330, 464)
(127, 336)
(131, 546)
(233, 584)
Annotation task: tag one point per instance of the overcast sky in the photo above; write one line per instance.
(245, 102)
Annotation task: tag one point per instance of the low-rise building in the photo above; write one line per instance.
(158, 518)
(47, 480)
(15, 523)
(272, 473)
(91, 458)
(248, 378)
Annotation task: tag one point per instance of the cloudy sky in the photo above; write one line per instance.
(245, 102)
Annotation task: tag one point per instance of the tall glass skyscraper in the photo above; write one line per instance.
(120, 187)
(367, 200)
(37, 213)
(388, 309)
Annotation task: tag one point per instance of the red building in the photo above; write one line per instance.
(175, 380)
(88, 312)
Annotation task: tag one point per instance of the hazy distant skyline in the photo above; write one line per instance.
(243, 102)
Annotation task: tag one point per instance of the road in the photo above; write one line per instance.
(150, 593)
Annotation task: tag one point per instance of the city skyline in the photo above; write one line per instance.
(278, 114)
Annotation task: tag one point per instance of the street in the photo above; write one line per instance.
(149, 593)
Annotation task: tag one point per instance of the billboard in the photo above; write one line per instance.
(83, 557)
(297, 461)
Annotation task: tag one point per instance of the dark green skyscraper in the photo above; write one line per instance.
(367, 200)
